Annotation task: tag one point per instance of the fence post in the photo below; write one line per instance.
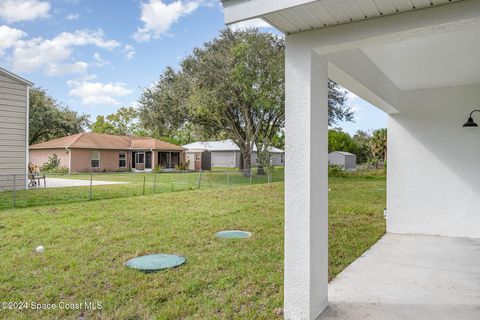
(154, 182)
(199, 179)
(91, 184)
(14, 190)
(144, 180)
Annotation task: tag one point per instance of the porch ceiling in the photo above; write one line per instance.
(445, 60)
(291, 16)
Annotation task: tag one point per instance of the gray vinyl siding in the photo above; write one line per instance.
(13, 130)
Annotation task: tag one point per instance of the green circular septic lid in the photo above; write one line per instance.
(155, 262)
(233, 234)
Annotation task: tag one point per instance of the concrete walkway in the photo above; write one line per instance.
(62, 183)
(406, 277)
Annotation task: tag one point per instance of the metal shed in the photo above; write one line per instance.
(344, 159)
(226, 154)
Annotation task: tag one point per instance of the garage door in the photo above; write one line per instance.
(224, 159)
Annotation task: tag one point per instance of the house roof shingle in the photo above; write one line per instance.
(91, 140)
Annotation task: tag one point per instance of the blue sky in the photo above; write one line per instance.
(367, 116)
(96, 56)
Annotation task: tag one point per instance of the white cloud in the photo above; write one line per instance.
(59, 69)
(23, 10)
(95, 93)
(99, 61)
(9, 37)
(88, 77)
(158, 17)
(54, 55)
(253, 23)
(129, 51)
(72, 16)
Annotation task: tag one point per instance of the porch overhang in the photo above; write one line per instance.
(292, 16)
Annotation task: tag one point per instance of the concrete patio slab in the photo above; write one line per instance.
(63, 183)
(405, 277)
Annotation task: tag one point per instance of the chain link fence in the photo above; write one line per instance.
(28, 190)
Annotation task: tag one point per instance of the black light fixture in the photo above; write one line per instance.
(470, 123)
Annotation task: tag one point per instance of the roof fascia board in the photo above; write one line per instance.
(15, 77)
(237, 11)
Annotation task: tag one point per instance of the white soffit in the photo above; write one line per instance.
(446, 60)
(325, 13)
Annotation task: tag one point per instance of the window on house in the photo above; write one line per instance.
(95, 159)
(197, 157)
(122, 160)
(140, 158)
(281, 158)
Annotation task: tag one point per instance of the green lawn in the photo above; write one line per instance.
(135, 184)
(88, 242)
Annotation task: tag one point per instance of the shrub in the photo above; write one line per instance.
(52, 164)
(335, 170)
(158, 169)
(59, 170)
(183, 167)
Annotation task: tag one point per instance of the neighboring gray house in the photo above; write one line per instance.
(226, 154)
(344, 159)
(14, 92)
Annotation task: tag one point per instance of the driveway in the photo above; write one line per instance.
(62, 183)
(407, 277)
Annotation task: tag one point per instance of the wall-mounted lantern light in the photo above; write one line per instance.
(470, 123)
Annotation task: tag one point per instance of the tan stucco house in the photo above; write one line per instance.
(95, 152)
(14, 92)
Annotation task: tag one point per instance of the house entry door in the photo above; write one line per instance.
(140, 160)
(148, 160)
(164, 159)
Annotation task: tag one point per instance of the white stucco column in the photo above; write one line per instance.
(306, 184)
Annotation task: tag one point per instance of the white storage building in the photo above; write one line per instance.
(226, 154)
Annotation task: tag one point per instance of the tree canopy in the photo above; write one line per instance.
(341, 141)
(369, 148)
(50, 120)
(123, 122)
(378, 146)
(232, 87)
(362, 139)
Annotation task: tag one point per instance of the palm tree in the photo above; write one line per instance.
(378, 146)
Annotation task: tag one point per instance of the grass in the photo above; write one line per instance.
(87, 244)
(133, 186)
